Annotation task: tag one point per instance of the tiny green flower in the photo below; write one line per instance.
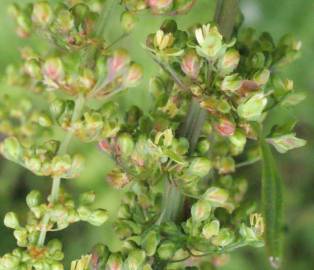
(253, 107)
(11, 220)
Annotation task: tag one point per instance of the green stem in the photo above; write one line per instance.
(225, 16)
(56, 181)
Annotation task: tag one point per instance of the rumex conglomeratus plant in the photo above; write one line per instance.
(184, 204)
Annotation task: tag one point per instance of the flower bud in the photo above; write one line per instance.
(33, 198)
(87, 198)
(53, 69)
(262, 77)
(166, 250)
(223, 106)
(11, 220)
(61, 165)
(44, 120)
(216, 195)
(11, 149)
(150, 242)
(84, 212)
(226, 165)
(9, 262)
(203, 146)
(32, 68)
(100, 255)
(225, 127)
(286, 142)
(57, 108)
(115, 262)
(21, 236)
(119, 60)
(253, 107)
(135, 260)
(238, 139)
(133, 75)
(211, 229)
(201, 210)
(229, 62)
(191, 64)
(224, 238)
(64, 21)
(147, 267)
(56, 266)
(98, 217)
(42, 13)
(162, 40)
(128, 21)
(200, 166)
(117, 178)
(231, 83)
(160, 6)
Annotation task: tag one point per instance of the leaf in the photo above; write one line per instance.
(286, 142)
(272, 205)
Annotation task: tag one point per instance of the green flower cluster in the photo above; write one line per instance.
(32, 255)
(185, 205)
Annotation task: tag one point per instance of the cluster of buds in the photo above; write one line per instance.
(31, 255)
(68, 26)
(42, 159)
(112, 73)
(160, 7)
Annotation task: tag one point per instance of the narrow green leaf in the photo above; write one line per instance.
(272, 205)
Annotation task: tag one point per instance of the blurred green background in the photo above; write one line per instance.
(297, 167)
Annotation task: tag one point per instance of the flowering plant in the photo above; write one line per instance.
(185, 204)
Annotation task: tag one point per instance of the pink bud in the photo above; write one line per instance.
(225, 127)
(159, 4)
(191, 64)
(104, 145)
(53, 69)
(117, 62)
(133, 75)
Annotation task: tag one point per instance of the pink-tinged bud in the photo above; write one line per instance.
(225, 127)
(159, 6)
(133, 76)
(42, 13)
(53, 69)
(229, 61)
(191, 65)
(104, 145)
(117, 178)
(117, 62)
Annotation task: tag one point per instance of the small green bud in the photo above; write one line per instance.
(21, 235)
(225, 165)
(33, 198)
(44, 120)
(262, 77)
(42, 13)
(156, 88)
(64, 21)
(201, 210)
(125, 144)
(203, 146)
(147, 267)
(150, 242)
(115, 262)
(87, 198)
(56, 266)
(61, 165)
(128, 21)
(84, 212)
(98, 217)
(32, 68)
(200, 166)
(9, 262)
(224, 238)
(100, 255)
(238, 139)
(229, 62)
(135, 260)
(231, 83)
(11, 220)
(216, 195)
(166, 250)
(253, 107)
(54, 246)
(211, 229)
(57, 107)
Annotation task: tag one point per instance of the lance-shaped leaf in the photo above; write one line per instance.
(272, 205)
